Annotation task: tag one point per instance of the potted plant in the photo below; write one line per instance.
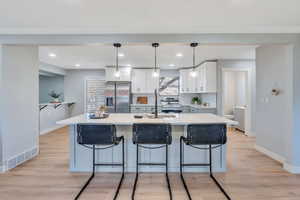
(196, 100)
(55, 96)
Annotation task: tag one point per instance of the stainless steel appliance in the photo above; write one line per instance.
(118, 97)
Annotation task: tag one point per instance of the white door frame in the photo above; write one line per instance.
(248, 115)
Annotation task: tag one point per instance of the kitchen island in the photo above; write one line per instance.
(81, 157)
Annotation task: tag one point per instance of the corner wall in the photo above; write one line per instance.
(19, 114)
(274, 114)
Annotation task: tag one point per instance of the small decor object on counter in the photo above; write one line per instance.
(101, 112)
(196, 100)
(95, 116)
(205, 104)
(55, 97)
(142, 100)
(138, 116)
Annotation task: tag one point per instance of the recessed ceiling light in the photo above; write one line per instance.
(77, 65)
(121, 55)
(179, 55)
(128, 65)
(52, 55)
(171, 65)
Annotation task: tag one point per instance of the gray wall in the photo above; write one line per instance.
(1, 132)
(74, 87)
(19, 100)
(274, 113)
(48, 83)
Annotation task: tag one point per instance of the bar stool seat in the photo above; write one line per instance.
(203, 134)
(104, 136)
(151, 134)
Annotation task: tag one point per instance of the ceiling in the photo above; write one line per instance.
(144, 16)
(142, 55)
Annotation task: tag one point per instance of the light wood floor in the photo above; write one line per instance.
(250, 176)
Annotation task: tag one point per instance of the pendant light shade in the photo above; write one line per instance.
(193, 72)
(117, 72)
(155, 73)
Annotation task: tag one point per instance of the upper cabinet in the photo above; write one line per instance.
(125, 74)
(143, 81)
(204, 82)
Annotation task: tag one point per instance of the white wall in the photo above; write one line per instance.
(49, 116)
(1, 132)
(274, 113)
(74, 87)
(19, 104)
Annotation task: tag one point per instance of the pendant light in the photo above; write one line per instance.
(117, 72)
(155, 73)
(193, 72)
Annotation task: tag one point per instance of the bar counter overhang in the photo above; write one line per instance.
(81, 158)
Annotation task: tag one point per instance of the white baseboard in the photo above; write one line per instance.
(269, 153)
(19, 159)
(48, 130)
(291, 168)
(2, 169)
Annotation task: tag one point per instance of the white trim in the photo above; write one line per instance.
(291, 168)
(48, 130)
(15, 160)
(2, 169)
(269, 153)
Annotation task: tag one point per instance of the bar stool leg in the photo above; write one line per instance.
(213, 178)
(137, 172)
(123, 169)
(181, 165)
(167, 177)
(91, 177)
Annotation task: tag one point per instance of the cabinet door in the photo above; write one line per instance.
(191, 81)
(152, 82)
(138, 81)
(182, 81)
(200, 80)
(211, 77)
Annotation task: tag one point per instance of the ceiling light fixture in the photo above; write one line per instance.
(52, 55)
(171, 65)
(155, 73)
(128, 65)
(117, 72)
(77, 65)
(179, 55)
(193, 72)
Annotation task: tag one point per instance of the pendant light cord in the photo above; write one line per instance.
(155, 59)
(194, 59)
(117, 59)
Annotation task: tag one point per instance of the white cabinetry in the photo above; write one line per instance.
(143, 81)
(125, 74)
(204, 82)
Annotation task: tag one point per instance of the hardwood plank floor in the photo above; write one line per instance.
(250, 176)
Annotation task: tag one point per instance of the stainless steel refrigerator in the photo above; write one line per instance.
(118, 97)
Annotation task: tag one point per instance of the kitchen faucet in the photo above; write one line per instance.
(156, 109)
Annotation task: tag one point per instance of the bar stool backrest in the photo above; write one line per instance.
(96, 134)
(152, 134)
(205, 134)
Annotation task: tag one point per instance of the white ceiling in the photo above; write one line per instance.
(99, 56)
(149, 16)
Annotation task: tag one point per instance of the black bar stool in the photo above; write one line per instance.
(203, 134)
(147, 134)
(91, 135)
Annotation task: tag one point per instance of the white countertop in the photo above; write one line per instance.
(128, 119)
